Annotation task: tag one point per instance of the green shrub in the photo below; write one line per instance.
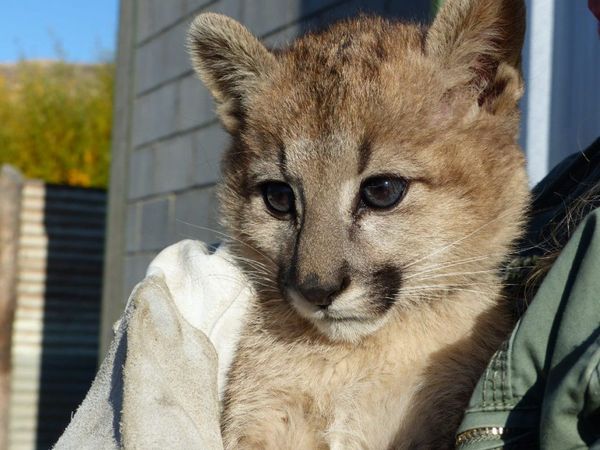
(55, 121)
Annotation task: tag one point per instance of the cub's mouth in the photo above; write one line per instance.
(333, 312)
(354, 313)
(353, 297)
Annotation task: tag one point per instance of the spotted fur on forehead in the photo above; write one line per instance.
(333, 80)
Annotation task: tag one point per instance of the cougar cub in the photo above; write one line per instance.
(372, 189)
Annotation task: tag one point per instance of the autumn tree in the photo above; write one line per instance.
(55, 121)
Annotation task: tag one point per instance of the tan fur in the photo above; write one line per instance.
(380, 368)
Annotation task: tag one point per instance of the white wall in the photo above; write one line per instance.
(561, 61)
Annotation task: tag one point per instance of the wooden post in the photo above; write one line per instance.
(11, 183)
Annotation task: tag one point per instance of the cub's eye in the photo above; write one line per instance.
(278, 196)
(382, 192)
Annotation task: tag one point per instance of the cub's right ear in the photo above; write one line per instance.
(230, 61)
(478, 43)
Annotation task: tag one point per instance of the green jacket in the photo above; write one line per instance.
(542, 388)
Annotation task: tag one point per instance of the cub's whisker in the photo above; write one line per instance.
(458, 241)
(227, 236)
(463, 274)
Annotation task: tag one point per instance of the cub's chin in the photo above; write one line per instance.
(337, 323)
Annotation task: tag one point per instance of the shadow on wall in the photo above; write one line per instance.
(319, 13)
(575, 110)
(74, 225)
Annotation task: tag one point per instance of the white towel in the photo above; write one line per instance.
(162, 380)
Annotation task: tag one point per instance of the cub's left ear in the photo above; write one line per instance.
(478, 43)
(230, 61)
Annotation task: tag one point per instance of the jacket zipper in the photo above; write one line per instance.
(480, 434)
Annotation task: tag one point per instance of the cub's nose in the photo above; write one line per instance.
(321, 295)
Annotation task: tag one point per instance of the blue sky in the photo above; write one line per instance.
(34, 29)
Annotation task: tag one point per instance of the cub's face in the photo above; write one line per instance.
(373, 167)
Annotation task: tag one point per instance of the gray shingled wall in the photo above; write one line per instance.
(167, 141)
